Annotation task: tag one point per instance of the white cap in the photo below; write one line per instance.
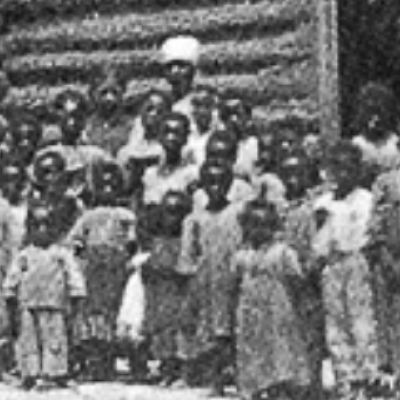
(181, 48)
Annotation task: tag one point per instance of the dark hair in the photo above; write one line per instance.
(179, 117)
(377, 98)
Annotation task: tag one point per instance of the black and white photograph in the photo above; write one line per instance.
(199, 199)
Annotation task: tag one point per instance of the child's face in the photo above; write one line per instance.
(376, 127)
(109, 99)
(255, 225)
(72, 127)
(222, 147)
(40, 226)
(203, 107)
(216, 183)
(174, 137)
(345, 174)
(174, 211)
(286, 143)
(293, 173)
(153, 110)
(48, 170)
(235, 115)
(27, 138)
(108, 186)
(12, 177)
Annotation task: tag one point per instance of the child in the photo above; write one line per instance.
(204, 112)
(222, 148)
(300, 227)
(210, 238)
(144, 149)
(164, 286)
(375, 126)
(105, 233)
(236, 114)
(144, 139)
(109, 127)
(26, 133)
(171, 173)
(42, 286)
(351, 325)
(271, 344)
(12, 229)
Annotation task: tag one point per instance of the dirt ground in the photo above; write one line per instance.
(107, 391)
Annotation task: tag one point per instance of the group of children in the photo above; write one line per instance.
(200, 250)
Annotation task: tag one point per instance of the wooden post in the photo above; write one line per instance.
(328, 70)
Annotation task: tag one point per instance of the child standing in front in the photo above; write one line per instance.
(42, 288)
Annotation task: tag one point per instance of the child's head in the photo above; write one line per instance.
(204, 104)
(175, 129)
(12, 181)
(27, 133)
(48, 169)
(376, 113)
(108, 183)
(108, 95)
(175, 207)
(72, 127)
(259, 221)
(216, 177)
(285, 140)
(70, 102)
(266, 156)
(345, 166)
(236, 114)
(295, 173)
(222, 145)
(155, 107)
(41, 230)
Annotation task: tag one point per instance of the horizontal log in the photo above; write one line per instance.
(235, 22)
(22, 12)
(298, 81)
(217, 58)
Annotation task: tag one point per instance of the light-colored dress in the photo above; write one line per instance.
(270, 334)
(351, 324)
(210, 241)
(104, 233)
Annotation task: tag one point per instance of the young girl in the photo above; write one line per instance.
(271, 345)
(350, 318)
(211, 236)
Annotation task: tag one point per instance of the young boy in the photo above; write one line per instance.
(222, 148)
(42, 286)
(171, 173)
(143, 149)
(205, 117)
(271, 344)
(348, 296)
(236, 115)
(105, 233)
(211, 236)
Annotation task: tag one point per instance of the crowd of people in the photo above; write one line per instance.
(197, 249)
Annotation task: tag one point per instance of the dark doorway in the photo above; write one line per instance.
(369, 49)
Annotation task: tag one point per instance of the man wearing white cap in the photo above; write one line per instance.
(180, 57)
